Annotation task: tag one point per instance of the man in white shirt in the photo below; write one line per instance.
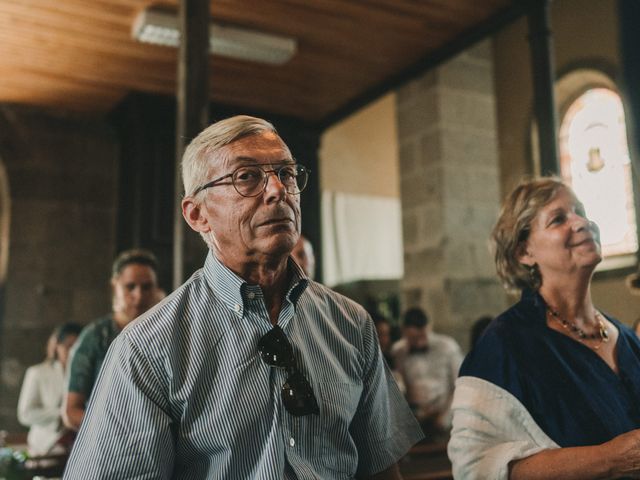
(428, 363)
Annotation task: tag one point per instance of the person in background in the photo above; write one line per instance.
(383, 329)
(42, 392)
(303, 254)
(134, 286)
(552, 388)
(633, 284)
(636, 327)
(428, 363)
(478, 328)
(249, 370)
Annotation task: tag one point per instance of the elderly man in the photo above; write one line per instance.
(249, 370)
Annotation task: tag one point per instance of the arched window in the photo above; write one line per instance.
(594, 160)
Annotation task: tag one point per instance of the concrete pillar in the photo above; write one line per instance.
(450, 191)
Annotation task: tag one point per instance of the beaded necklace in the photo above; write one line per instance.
(601, 334)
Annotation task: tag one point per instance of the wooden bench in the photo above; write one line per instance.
(427, 461)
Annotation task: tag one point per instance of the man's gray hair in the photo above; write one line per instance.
(195, 159)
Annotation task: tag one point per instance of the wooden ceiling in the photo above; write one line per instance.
(79, 55)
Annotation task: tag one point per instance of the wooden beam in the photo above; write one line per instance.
(543, 70)
(192, 103)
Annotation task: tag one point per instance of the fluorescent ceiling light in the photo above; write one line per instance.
(161, 28)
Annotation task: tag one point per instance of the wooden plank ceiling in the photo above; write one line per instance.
(79, 55)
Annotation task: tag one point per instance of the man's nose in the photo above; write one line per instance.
(275, 189)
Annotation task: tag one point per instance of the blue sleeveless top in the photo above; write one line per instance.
(570, 392)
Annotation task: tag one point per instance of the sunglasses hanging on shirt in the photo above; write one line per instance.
(297, 395)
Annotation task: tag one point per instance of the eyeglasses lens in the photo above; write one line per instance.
(251, 180)
(297, 395)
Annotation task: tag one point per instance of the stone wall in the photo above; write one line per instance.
(450, 191)
(62, 175)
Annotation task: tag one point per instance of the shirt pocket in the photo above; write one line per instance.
(338, 405)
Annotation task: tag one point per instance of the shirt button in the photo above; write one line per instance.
(251, 295)
(292, 442)
(237, 307)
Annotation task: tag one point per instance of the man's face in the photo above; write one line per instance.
(417, 338)
(134, 292)
(246, 229)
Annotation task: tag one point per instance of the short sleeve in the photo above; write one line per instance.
(128, 417)
(383, 428)
(82, 363)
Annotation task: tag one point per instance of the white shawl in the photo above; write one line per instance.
(490, 429)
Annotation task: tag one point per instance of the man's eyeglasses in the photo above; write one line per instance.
(297, 394)
(251, 180)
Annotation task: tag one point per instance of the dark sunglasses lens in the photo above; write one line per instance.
(297, 396)
(275, 349)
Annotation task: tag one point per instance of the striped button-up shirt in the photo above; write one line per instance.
(184, 393)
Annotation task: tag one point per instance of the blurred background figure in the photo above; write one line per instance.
(633, 284)
(385, 337)
(42, 393)
(428, 363)
(383, 329)
(134, 286)
(303, 255)
(478, 328)
(636, 327)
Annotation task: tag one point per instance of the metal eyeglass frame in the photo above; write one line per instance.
(276, 171)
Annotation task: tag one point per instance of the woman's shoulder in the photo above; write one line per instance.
(44, 368)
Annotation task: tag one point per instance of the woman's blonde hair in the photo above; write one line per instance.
(513, 227)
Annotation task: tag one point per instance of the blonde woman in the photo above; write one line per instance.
(552, 389)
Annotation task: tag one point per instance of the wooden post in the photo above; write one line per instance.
(192, 105)
(543, 69)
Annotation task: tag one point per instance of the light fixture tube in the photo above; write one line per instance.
(161, 28)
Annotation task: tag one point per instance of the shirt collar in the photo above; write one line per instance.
(233, 290)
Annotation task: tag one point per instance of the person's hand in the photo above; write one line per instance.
(625, 454)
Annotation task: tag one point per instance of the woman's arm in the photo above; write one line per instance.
(617, 458)
(73, 410)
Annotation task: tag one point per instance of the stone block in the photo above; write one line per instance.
(408, 158)
(431, 225)
(421, 264)
(411, 297)
(467, 76)
(409, 227)
(423, 187)
(473, 298)
(464, 109)
(431, 152)
(418, 116)
(464, 147)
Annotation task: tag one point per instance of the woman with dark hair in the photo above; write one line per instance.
(42, 391)
(552, 389)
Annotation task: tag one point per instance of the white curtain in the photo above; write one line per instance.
(361, 238)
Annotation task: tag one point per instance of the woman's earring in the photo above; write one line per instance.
(533, 275)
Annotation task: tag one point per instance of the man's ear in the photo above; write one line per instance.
(524, 256)
(192, 213)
